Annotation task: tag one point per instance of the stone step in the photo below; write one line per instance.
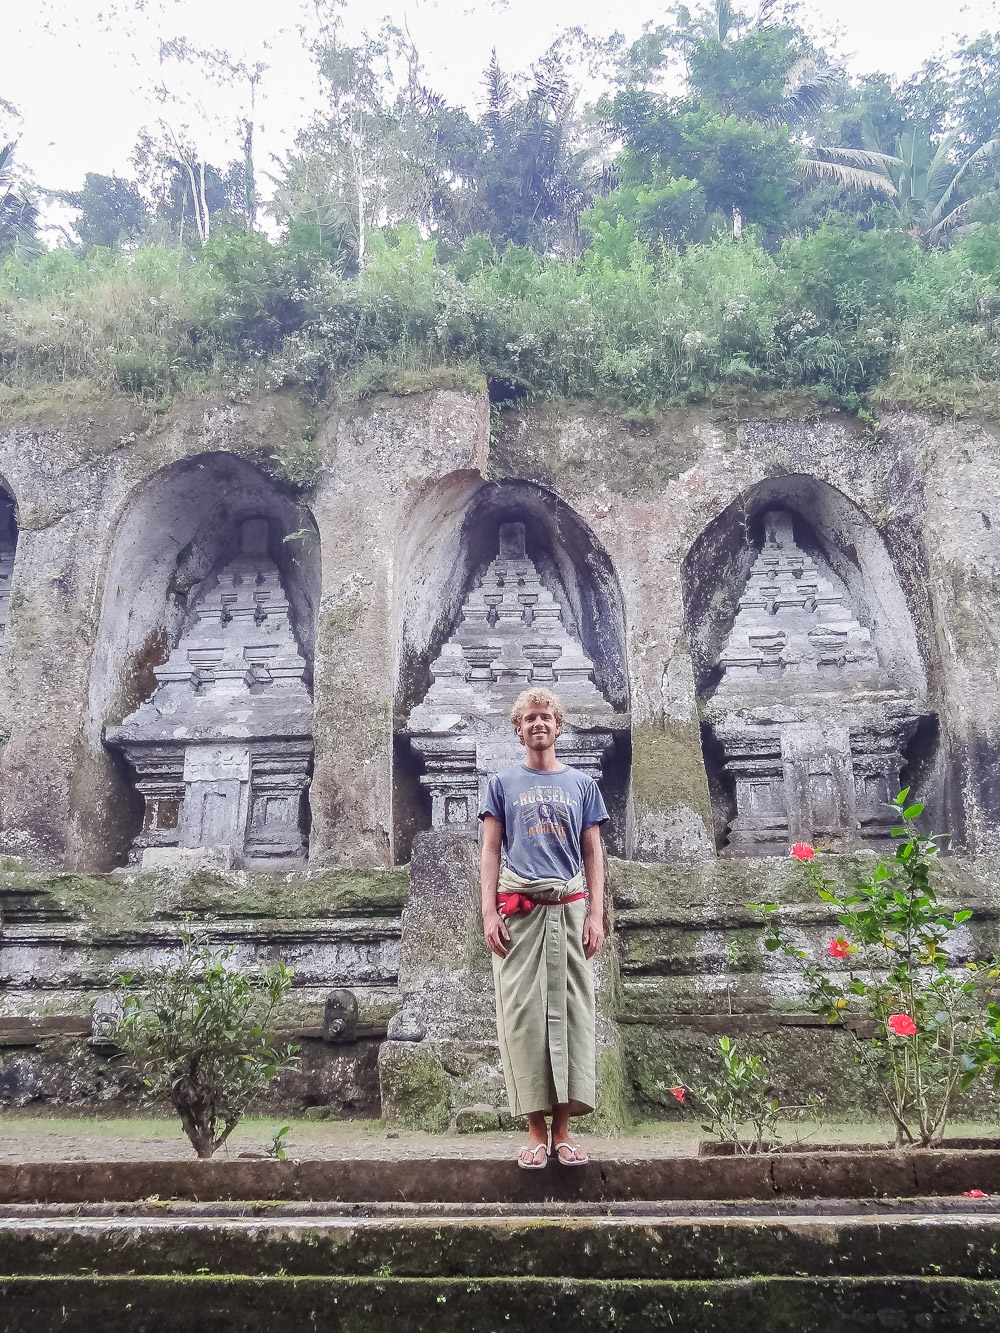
(836, 1175)
(597, 1248)
(374, 1304)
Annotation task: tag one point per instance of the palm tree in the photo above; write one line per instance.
(931, 179)
(544, 170)
(853, 168)
(925, 180)
(18, 215)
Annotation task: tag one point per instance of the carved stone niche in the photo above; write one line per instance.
(812, 728)
(510, 635)
(222, 750)
(8, 544)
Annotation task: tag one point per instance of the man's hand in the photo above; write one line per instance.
(593, 934)
(496, 933)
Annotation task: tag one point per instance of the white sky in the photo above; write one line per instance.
(82, 82)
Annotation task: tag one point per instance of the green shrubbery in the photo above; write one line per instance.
(846, 311)
(200, 1031)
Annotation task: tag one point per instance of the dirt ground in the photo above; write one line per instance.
(44, 1138)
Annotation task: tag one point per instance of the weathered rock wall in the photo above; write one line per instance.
(397, 480)
(928, 490)
(646, 522)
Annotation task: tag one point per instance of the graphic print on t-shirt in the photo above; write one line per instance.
(545, 813)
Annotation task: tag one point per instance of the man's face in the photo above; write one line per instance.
(539, 727)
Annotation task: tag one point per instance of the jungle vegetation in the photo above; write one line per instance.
(733, 214)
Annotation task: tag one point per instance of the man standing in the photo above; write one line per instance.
(544, 818)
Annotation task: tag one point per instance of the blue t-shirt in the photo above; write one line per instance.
(543, 816)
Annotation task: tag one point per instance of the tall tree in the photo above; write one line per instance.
(112, 210)
(541, 162)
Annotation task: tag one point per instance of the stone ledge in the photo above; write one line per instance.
(652, 1248)
(232, 1304)
(839, 1175)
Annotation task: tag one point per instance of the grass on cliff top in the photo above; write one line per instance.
(849, 315)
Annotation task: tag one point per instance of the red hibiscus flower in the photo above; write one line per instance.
(976, 1194)
(902, 1025)
(803, 852)
(838, 948)
(679, 1093)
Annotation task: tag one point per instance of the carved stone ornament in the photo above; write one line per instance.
(812, 727)
(222, 750)
(510, 635)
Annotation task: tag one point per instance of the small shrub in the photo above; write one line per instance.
(198, 1032)
(297, 464)
(276, 1145)
(936, 1028)
(739, 1101)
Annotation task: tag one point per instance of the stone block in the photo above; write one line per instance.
(416, 1090)
(478, 1119)
(185, 860)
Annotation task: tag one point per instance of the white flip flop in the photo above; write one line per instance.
(574, 1148)
(534, 1165)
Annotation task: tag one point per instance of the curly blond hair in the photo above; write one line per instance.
(537, 698)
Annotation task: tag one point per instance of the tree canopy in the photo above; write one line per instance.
(733, 209)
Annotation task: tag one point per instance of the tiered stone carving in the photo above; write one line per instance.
(511, 635)
(222, 750)
(812, 727)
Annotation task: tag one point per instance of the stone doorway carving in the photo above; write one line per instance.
(510, 635)
(515, 591)
(810, 719)
(222, 749)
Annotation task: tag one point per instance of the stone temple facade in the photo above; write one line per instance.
(812, 727)
(278, 759)
(510, 635)
(222, 750)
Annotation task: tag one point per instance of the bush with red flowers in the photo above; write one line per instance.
(935, 1028)
(738, 1100)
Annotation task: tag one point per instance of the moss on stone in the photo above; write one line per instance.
(633, 457)
(668, 768)
(332, 894)
(611, 1115)
(217, 1303)
(803, 1063)
(416, 1090)
(119, 901)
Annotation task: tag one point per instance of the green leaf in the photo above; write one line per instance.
(912, 811)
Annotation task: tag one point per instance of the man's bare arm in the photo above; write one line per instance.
(593, 866)
(489, 878)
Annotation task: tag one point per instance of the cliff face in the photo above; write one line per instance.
(383, 519)
(644, 533)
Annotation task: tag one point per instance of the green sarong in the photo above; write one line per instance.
(545, 1001)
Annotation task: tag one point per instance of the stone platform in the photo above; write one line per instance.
(486, 1180)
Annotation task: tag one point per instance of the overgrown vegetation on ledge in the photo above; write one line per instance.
(773, 225)
(845, 311)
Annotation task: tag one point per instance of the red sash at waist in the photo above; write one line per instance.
(510, 904)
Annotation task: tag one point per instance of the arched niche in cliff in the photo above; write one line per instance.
(8, 548)
(201, 682)
(810, 681)
(501, 585)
